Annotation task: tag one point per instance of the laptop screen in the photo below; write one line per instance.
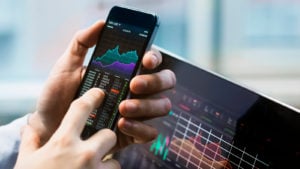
(215, 123)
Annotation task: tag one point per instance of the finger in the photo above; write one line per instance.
(152, 59)
(153, 83)
(79, 111)
(85, 39)
(102, 142)
(141, 132)
(74, 56)
(30, 141)
(146, 108)
(110, 164)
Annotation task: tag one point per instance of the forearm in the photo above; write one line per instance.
(9, 142)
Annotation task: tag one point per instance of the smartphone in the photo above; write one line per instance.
(116, 59)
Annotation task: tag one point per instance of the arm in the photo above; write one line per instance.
(9, 142)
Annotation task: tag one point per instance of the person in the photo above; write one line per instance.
(51, 136)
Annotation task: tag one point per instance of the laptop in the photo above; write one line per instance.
(216, 123)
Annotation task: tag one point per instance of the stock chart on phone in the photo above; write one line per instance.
(113, 63)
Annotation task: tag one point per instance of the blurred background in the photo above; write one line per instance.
(252, 42)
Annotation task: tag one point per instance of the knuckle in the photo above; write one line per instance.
(63, 142)
(78, 33)
(88, 154)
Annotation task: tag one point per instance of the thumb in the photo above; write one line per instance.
(30, 141)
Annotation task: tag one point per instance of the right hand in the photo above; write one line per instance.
(66, 149)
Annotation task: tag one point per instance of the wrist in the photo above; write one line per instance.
(36, 122)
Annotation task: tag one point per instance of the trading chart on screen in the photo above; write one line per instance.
(216, 124)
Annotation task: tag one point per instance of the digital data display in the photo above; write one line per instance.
(216, 124)
(113, 63)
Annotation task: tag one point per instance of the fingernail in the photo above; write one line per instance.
(154, 60)
(168, 104)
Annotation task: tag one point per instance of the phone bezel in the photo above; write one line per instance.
(137, 18)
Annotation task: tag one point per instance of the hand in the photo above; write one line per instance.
(65, 78)
(66, 149)
(146, 105)
(62, 83)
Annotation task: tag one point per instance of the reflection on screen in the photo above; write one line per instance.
(216, 124)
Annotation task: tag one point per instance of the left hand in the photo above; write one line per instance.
(144, 107)
(64, 80)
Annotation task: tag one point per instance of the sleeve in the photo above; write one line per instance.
(9, 142)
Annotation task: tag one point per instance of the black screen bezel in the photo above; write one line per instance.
(135, 18)
(147, 21)
(252, 108)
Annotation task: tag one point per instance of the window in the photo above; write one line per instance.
(256, 42)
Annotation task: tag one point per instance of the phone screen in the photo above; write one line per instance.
(115, 61)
